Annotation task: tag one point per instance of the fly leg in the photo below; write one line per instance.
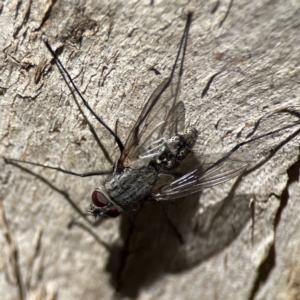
(86, 174)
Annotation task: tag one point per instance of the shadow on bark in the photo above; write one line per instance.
(172, 237)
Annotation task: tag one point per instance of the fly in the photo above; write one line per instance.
(158, 144)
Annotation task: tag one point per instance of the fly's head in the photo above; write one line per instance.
(103, 205)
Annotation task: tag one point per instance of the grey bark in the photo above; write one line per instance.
(206, 246)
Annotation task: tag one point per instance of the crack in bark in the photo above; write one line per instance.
(269, 263)
(205, 90)
(47, 14)
(226, 14)
(13, 254)
(24, 17)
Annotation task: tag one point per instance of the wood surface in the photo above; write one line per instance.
(212, 245)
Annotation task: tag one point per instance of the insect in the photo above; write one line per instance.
(157, 146)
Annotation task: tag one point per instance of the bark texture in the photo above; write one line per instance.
(207, 246)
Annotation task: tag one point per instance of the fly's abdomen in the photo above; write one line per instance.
(129, 188)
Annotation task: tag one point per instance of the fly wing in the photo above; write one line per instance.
(205, 175)
(162, 114)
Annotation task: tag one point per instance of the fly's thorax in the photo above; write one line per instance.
(129, 188)
(102, 204)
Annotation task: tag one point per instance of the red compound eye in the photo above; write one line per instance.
(113, 213)
(99, 199)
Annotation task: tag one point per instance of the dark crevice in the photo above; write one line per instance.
(269, 263)
(26, 15)
(14, 255)
(1, 7)
(46, 14)
(18, 6)
(215, 7)
(205, 90)
(157, 72)
(227, 13)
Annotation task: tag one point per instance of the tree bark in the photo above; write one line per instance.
(241, 80)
